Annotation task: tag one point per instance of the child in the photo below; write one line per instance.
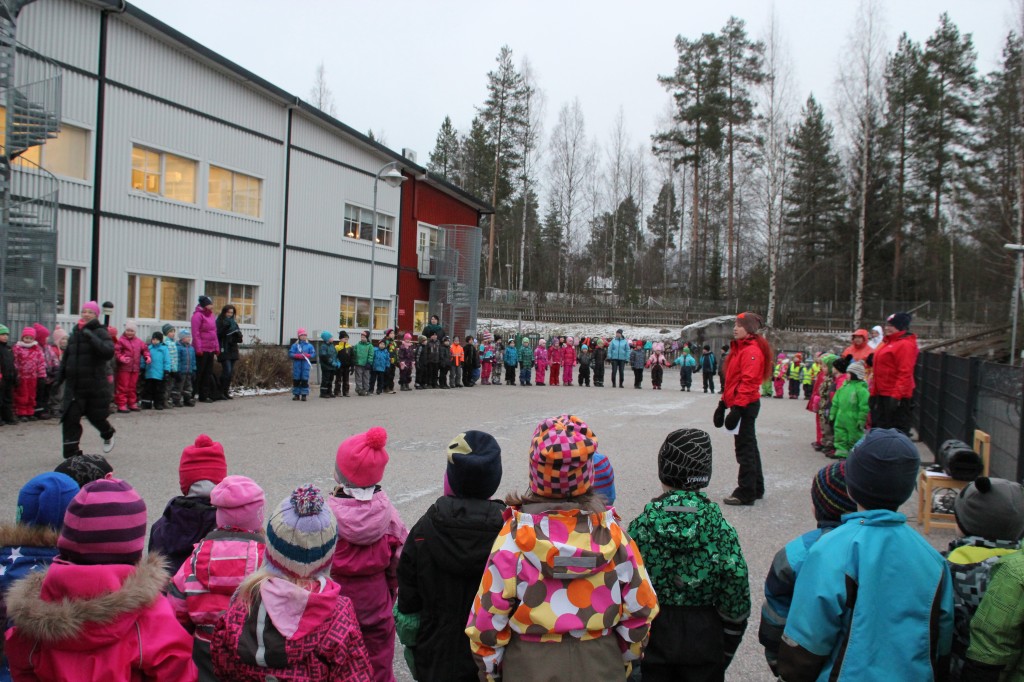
(8, 378)
(555, 358)
(637, 360)
(435, 586)
(187, 368)
(873, 596)
(30, 368)
(344, 350)
(381, 362)
(831, 502)
(155, 364)
(201, 590)
(58, 343)
(696, 566)
(604, 479)
(657, 362)
(172, 378)
(511, 359)
(471, 374)
(301, 353)
(796, 375)
(458, 360)
(585, 359)
(499, 357)
(97, 613)
(329, 364)
(525, 362)
(187, 519)
(422, 380)
(781, 371)
(51, 360)
(85, 469)
(486, 362)
(708, 368)
(288, 621)
(129, 352)
(849, 410)
(444, 361)
(997, 629)
(564, 587)
(826, 390)
(810, 374)
(406, 361)
(370, 539)
(540, 361)
(600, 356)
(990, 516)
(568, 360)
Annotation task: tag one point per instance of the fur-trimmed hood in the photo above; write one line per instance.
(85, 607)
(22, 535)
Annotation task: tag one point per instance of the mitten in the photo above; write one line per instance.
(870, 362)
(733, 418)
(719, 417)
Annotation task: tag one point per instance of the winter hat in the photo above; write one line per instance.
(618, 331)
(542, 342)
(45, 498)
(361, 458)
(992, 508)
(167, 328)
(407, 337)
(561, 452)
(104, 524)
(829, 495)
(93, 306)
(684, 461)
(157, 336)
(584, 347)
(84, 468)
(28, 331)
(4, 330)
(899, 320)
(881, 470)
(342, 335)
(185, 334)
(861, 332)
(474, 465)
(604, 478)
(301, 331)
(780, 356)
(239, 502)
(750, 321)
(130, 327)
(42, 333)
(325, 336)
(205, 301)
(202, 461)
(301, 534)
(856, 368)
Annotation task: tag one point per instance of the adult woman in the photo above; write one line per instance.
(204, 340)
(618, 353)
(892, 391)
(747, 368)
(87, 391)
(228, 338)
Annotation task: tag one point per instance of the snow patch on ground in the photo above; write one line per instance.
(250, 392)
(605, 331)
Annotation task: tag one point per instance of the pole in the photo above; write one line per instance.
(1016, 302)
(373, 253)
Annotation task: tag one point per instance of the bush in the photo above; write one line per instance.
(263, 365)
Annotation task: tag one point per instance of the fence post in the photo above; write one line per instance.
(941, 410)
(973, 379)
(1020, 442)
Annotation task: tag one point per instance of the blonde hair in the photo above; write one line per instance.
(250, 587)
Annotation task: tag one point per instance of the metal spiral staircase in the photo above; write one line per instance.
(30, 92)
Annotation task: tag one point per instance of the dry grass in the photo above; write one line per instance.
(263, 365)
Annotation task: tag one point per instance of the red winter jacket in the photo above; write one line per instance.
(129, 352)
(894, 364)
(744, 373)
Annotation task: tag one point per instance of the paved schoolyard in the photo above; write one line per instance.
(281, 443)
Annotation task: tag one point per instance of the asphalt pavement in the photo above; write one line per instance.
(281, 444)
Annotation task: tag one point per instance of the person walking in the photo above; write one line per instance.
(207, 346)
(228, 338)
(618, 353)
(87, 392)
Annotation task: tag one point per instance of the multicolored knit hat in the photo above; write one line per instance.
(44, 500)
(684, 461)
(202, 461)
(301, 535)
(361, 458)
(561, 463)
(604, 477)
(85, 468)
(829, 495)
(104, 524)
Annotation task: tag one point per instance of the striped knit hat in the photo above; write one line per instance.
(301, 534)
(105, 524)
(604, 478)
(684, 461)
(561, 452)
(828, 493)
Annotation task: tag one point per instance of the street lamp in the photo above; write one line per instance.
(1019, 250)
(393, 177)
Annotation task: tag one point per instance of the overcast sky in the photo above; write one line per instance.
(400, 67)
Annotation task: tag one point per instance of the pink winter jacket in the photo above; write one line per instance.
(128, 353)
(29, 361)
(204, 331)
(569, 356)
(107, 622)
(555, 355)
(540, 356)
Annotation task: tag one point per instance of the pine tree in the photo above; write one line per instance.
(476, 160)
(662, 225)
(444, 157)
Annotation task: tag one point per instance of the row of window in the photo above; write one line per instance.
(354, 313)
(172, 176)
(359, 225)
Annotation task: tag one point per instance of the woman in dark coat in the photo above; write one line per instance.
(87, 389)
(229, 336)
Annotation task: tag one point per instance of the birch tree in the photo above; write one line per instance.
(320, 95)
(529, 153)
(571, 158)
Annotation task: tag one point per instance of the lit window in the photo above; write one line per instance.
(354, 313)
(234, 192)
(242, 296)
(347, 313)
(70, 282)
(66, 155)
(420, 315)
(358, 224)
(158, 298)
(164, 174)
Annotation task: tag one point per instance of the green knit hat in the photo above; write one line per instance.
(4, 330)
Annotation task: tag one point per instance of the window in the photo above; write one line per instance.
(70, 282)
(358, 224)
(420, 315)
(164, 174)
(158, 298)
(234, 192)
(354, 313)
(428, 239)
(242, 296)
(66, 155)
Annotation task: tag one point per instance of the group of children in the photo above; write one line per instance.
(29, 374)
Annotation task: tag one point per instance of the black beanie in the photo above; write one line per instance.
(684, 461)
(899, 320)
(882, 469)
(474, 465)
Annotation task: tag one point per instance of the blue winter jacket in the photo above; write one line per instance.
(186, 359)
(300, 367)
(159, 361)
(637, 358)
(618, 349)
(874, 603)
(381, 360)
(172, 353)
(511, 356)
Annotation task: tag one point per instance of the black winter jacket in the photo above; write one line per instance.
(7, 369)
(229, 336)
(84, 364)
(472, 359)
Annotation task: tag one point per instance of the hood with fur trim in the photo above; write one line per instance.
(23, 535)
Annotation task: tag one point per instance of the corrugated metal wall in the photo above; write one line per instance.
(64, 30)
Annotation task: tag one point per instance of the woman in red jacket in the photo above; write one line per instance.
(747, 367)
(892, 391)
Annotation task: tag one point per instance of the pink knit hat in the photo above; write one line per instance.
(57, 335)
(407, 337)
(42, 333)
(130, 327)
(301, 332)
(239, 502)
(104, 524)
(361, 458)
(28, 331)
(93, 306)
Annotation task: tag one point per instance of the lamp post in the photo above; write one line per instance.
(393, 177)
(1019, 250)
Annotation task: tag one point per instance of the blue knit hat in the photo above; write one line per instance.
(604, 477)
(325, 336)
(301, 534)
(44, 499)
(881, 471)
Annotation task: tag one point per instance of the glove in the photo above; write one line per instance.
(870, 362)
(719, 417)
(199, 353)
(733, 418)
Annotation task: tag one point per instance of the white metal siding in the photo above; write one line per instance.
(314, 136)
(74, 237)
(64, 30)
(78, 99)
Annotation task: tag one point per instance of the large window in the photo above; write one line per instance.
(242, 296)
(354, 313)
(163, 174)
(70, 283)
(234, 192)
(66, 155)
(420, 315)
(158, 298)
(359, 225)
